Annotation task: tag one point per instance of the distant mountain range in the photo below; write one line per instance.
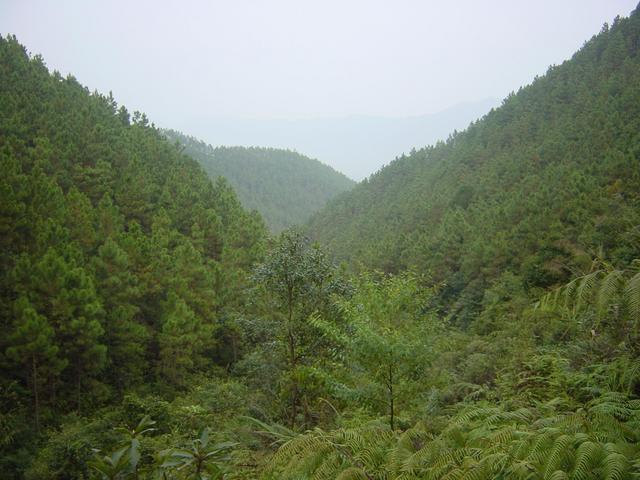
(356, 145)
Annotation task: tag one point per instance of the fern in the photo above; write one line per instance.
(584, 292)
(615, 466)
(604, 290)
(587, 456)
(352, 473)
(632, 298)
(560, 455)
(598, 440)
(609, 287)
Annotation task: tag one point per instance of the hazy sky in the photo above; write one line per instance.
(182, 62)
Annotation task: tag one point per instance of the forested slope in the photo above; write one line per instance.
(151, 328)
(120, 260)
(531, 190)
(284, 186)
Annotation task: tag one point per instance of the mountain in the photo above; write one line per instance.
(357, 145)
(530, 192)
(120, 259)
(284, 186)
(489, 325)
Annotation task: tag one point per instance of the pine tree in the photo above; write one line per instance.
(126, 338)
(181, 340)
(33, 350)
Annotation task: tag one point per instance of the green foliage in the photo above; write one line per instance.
(69, 449)
(120, 259)
(599, 440)
(124, 462)
(132, 444)
(132, 287)
(345, 454)
(613, 294)
(181, 341)
(202, 461)
(387, 339)
(284, 186)
(535, 187)
(298, 281)
(112, 467)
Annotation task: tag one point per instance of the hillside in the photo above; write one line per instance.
(120, 260)
(488, 326)
(284, 186)
(533, 189)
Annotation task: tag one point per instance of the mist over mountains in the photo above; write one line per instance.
(356, 145)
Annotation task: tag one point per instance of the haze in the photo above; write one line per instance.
(311, 76)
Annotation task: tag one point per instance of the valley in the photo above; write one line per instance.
(176, 310)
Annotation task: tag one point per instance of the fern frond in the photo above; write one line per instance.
(615, 466)
(584, 291)
(520, 469)
(455, 474)
(559, 454)
(329, 469)
(631, 374)
(631, 297)
(586, 457)
(279, 433)
(558, 475)
(311, 461)
(608, 290)
(615, 404)
(424, 457)
(569, 292)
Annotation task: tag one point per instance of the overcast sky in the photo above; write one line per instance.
(182, 62)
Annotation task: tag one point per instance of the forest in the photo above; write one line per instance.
(285, 187)
(470, 311)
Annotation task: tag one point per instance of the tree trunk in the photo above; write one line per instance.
(52, 389)
(234, 347)
(391, 399)
(307, 414)
(78, 389)
(36, 399)
(292, 358)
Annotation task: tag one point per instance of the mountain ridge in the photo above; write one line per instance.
(285, 186)
(454, 208)
(357, 145)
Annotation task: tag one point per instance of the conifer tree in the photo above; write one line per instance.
(33, 351)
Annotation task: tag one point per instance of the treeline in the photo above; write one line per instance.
(284, 186)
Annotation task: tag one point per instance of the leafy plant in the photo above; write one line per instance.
(202, 461)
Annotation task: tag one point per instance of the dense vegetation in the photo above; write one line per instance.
(490, 331)
(533, 190)
(284, 186)
(121, 262)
